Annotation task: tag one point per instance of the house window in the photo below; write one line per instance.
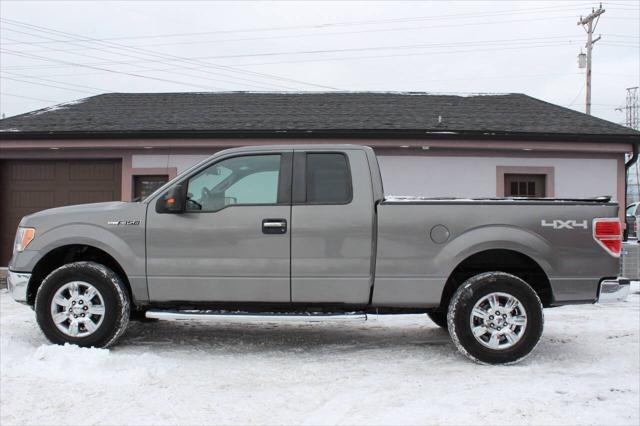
(525, 181)
(525, 185)
(145, 185)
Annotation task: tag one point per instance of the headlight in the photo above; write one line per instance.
(23, 238)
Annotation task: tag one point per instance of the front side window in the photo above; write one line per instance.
(328, 178)
(251, 179)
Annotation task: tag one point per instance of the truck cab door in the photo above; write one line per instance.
(232, 241)
(332, 227)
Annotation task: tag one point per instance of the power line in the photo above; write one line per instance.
(522, 41)
(421, 46)
(165, 56)
(447, 52)
(294, 36)
(340, 24)
(49, 85)
(138, 57)
(573, 101)
(179, 73)
(297, 36)
(26, 97)
(399, 47)
(102, 69)
(52, 81)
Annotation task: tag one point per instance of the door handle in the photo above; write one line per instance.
(274, 226)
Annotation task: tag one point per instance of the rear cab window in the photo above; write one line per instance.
(328, 179)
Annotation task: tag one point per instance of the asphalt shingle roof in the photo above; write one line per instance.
(242, 112)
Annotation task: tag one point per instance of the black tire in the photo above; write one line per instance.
(439, 318)
(114, 295)
(479, 286)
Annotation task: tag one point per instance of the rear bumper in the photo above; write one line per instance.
(17, 283)
(614, 290)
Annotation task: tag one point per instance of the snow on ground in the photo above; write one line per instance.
(387, 370)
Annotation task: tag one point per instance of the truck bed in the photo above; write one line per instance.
(422, 240)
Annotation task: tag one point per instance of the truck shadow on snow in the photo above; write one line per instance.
(298, 336)
(418, 337)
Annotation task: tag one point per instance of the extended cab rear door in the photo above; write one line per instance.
(332, 221)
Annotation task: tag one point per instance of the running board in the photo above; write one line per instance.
(253, 317)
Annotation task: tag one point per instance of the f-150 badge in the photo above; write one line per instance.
(123, 222)
(565, 224)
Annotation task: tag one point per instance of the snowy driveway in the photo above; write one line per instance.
(389, 370)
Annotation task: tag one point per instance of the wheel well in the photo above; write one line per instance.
(68, 254)
(509, 261)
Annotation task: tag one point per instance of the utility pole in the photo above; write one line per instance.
(590, 26)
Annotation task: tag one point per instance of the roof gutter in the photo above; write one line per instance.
(426, 134)
(627, 166)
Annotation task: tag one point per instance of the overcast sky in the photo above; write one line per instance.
(59, 51)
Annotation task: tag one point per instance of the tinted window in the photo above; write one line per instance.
(258, 188)
(328, 179)
(251, 179)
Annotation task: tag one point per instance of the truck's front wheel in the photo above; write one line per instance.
(82, 303)
(495, 318)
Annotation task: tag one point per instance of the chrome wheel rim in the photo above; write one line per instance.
(77, 309)
(498, 321)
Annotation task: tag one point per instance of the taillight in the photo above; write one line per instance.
(608, 233)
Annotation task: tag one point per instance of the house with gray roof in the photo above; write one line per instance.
(121, 146)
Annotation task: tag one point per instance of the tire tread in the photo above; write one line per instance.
(122, 299)
(467, 287)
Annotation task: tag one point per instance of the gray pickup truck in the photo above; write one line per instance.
(306, 231)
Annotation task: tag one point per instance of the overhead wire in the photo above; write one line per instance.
(26, 97)
(297, 36)
(38, 78)
(528, 40)
(164, 56)
(105, 69)
(51, 85)
(108, 62)
(346, 23)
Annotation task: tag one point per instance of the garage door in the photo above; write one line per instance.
(28, 186)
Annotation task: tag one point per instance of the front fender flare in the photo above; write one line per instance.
(91, 235)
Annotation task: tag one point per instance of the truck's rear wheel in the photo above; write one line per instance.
(495, 318)
(439, 318)
(82, 303)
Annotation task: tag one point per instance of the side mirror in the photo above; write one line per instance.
(173, 201)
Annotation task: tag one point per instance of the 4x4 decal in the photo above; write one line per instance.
(565, 224)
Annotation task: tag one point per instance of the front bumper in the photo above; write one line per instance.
(17, 282)
(614, 290)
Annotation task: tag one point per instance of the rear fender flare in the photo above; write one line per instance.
(492, 237)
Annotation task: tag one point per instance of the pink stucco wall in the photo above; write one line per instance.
(126, 149)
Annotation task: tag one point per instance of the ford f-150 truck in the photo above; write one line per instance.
(292, 231)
